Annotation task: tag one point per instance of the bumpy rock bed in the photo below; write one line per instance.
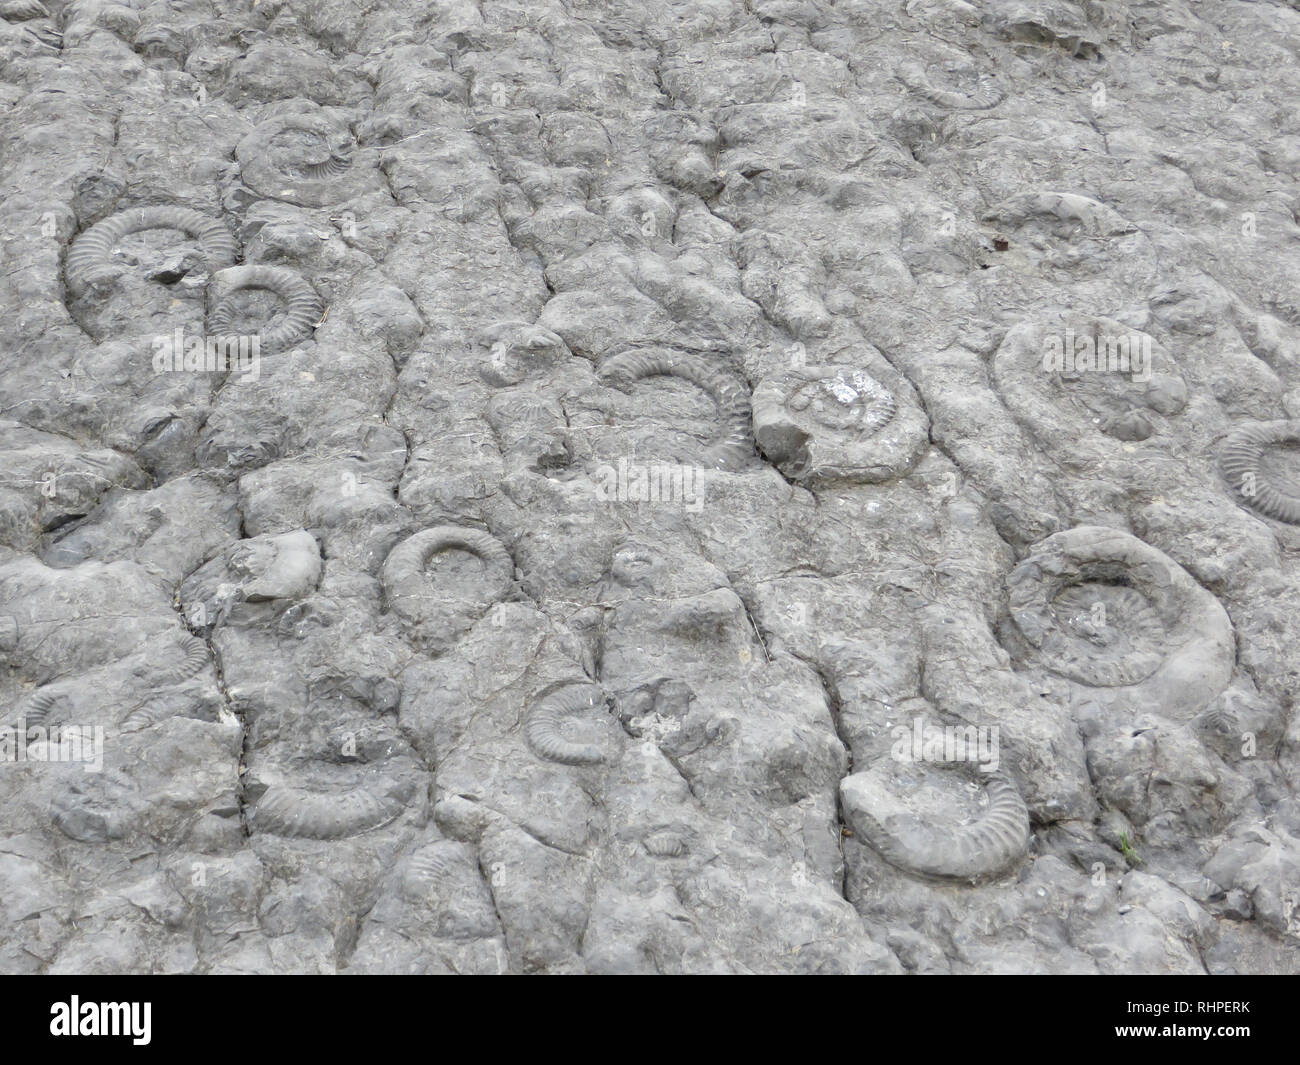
(647, 426)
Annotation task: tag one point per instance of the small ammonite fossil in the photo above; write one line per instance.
(838, 423)
(1261, 463)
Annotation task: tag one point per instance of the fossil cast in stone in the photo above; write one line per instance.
(1108, 611)
(915, 77)
(1261, 463)
(549, 722)
(837, 423)
(306, 159)
(301, 313)
(91, 259)
(733, 449)
(936, 822)
(308, 813)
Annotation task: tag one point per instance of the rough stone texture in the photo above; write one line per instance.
(393, 674)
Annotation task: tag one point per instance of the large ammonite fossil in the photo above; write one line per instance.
(306, 159)
(1261, 463)
(938, 822)
(1073, 373)
(1106, 610)
(838, 423)
(94, 260)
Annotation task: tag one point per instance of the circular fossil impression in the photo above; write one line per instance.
(731, 448)
(241, 294)
(826, 423)
(1104, 609)
(1063, 373)
(938, 822)
(1110, 634)
(440, 607)
(556, 729)
(305, 159)
(1261, 463)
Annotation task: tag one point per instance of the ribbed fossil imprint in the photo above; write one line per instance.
(939, 843)
(836, 423)
(305, 159)
(1261, 463)
(914, 76)
(91, 262)
(733, 448)
(549, 724)
(410, 594)
(1104, 609)
(302, 306)
(302, 813)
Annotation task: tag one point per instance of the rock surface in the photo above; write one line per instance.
(636, 431)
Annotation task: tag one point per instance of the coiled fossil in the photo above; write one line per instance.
(836, 423)
(301, 813)
(1104, 609)
(38, 711)
(193, 660)
(304, 159)
(913, 75)
(545, 728)
(407, 588)
(1253, 463)
(930, 846)
(302, 311)
(733, 449)
(90, 261)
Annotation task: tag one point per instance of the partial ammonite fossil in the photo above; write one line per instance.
(92, 259)
(837, 423)
(307, 813)
(306, 159)
(938, 822)
(665, 843)
(190, 660)
(732, 448)
(411, 595)
(553, 721)
(1261, 463)
(914, 76)
(1070, 374)
(1106, 610)
(300, 315)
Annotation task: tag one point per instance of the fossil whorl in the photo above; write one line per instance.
(665, 844)
(837, 423)
(1106, 610)
(914, 76)
(191, 660)
(939, 843)
(90, 258)
(305, 159)
(547, 720)
(1070, 207)
(303, 813)
(39, 710)
(1253, 463)
(406, 585)
(733, 449)
(22, 10)
(302, 306)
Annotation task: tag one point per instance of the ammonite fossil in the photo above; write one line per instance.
(1072, 373)
(305, 159)
(837, 423)
(549, 721)
(301, 311)
(309, 813)
(732, 448)
(1106, 610)
(411, 595)
(92, 261)
(938, 822)
(1261, 463)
